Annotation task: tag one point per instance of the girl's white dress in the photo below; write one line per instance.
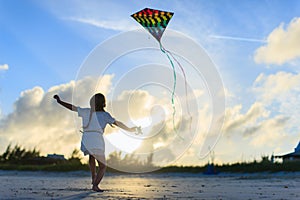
(92, 141)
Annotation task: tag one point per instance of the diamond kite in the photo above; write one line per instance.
(156, 21)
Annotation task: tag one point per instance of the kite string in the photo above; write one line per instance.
(174, 85)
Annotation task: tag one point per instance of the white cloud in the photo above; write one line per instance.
(246, 136)
(38, 121)
(136, 99)
(270, 133)
(283, 45)
(4, 67)
(280, 92)
(276, 87)
(235, 121)
(276, 105)
(268, 125)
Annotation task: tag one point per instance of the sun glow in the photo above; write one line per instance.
(121, 141)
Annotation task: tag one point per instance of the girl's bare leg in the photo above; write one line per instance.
(100, 174)
(92, 164)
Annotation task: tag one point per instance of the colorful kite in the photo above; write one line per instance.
(156, 21)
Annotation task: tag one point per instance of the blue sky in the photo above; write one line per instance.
(38, 40)
(44, 43)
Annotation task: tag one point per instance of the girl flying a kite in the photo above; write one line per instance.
(94, 121)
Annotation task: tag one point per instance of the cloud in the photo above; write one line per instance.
(271, 132)
(165, 144)
(246, 136)
(276, 106)
(159, 138)
(116, 25)
(38, 121)
(283, 45)
(280, 93)
(276, 87)
(136, 99)
(268, 125)
(235, 121)
(4, 67)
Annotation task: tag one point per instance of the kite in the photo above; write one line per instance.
(156, 21)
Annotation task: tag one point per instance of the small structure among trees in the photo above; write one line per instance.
(56, 156)
(294, 156)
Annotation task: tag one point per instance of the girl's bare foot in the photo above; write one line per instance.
(96, 188)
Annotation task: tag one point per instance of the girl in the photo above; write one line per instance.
(94, 120)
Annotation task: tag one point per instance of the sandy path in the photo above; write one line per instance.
(76, 185)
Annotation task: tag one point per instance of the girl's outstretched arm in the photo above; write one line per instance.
(123, 126)
(65, 104)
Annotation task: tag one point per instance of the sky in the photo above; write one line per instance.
(47, 46)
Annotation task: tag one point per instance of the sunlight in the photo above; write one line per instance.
(119, 141)
(129, 142)
(158, 145)
(143, 122)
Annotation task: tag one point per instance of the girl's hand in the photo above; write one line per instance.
(137, 130)
(56, 97)
(65, 104)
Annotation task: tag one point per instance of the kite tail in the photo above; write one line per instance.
(185, 84)
(174, 85)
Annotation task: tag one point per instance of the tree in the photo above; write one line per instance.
(18, 154)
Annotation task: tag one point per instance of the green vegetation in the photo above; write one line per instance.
(265, 165)
(18, 158)
(17, 155)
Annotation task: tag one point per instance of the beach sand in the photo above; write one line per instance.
(76, 185)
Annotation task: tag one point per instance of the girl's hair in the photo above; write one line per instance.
(97, 103)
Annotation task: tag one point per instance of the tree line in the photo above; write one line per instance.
(18, 157)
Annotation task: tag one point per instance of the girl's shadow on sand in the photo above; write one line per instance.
(80, 193)
(78, 196)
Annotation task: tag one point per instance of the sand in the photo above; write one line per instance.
(76, 185)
